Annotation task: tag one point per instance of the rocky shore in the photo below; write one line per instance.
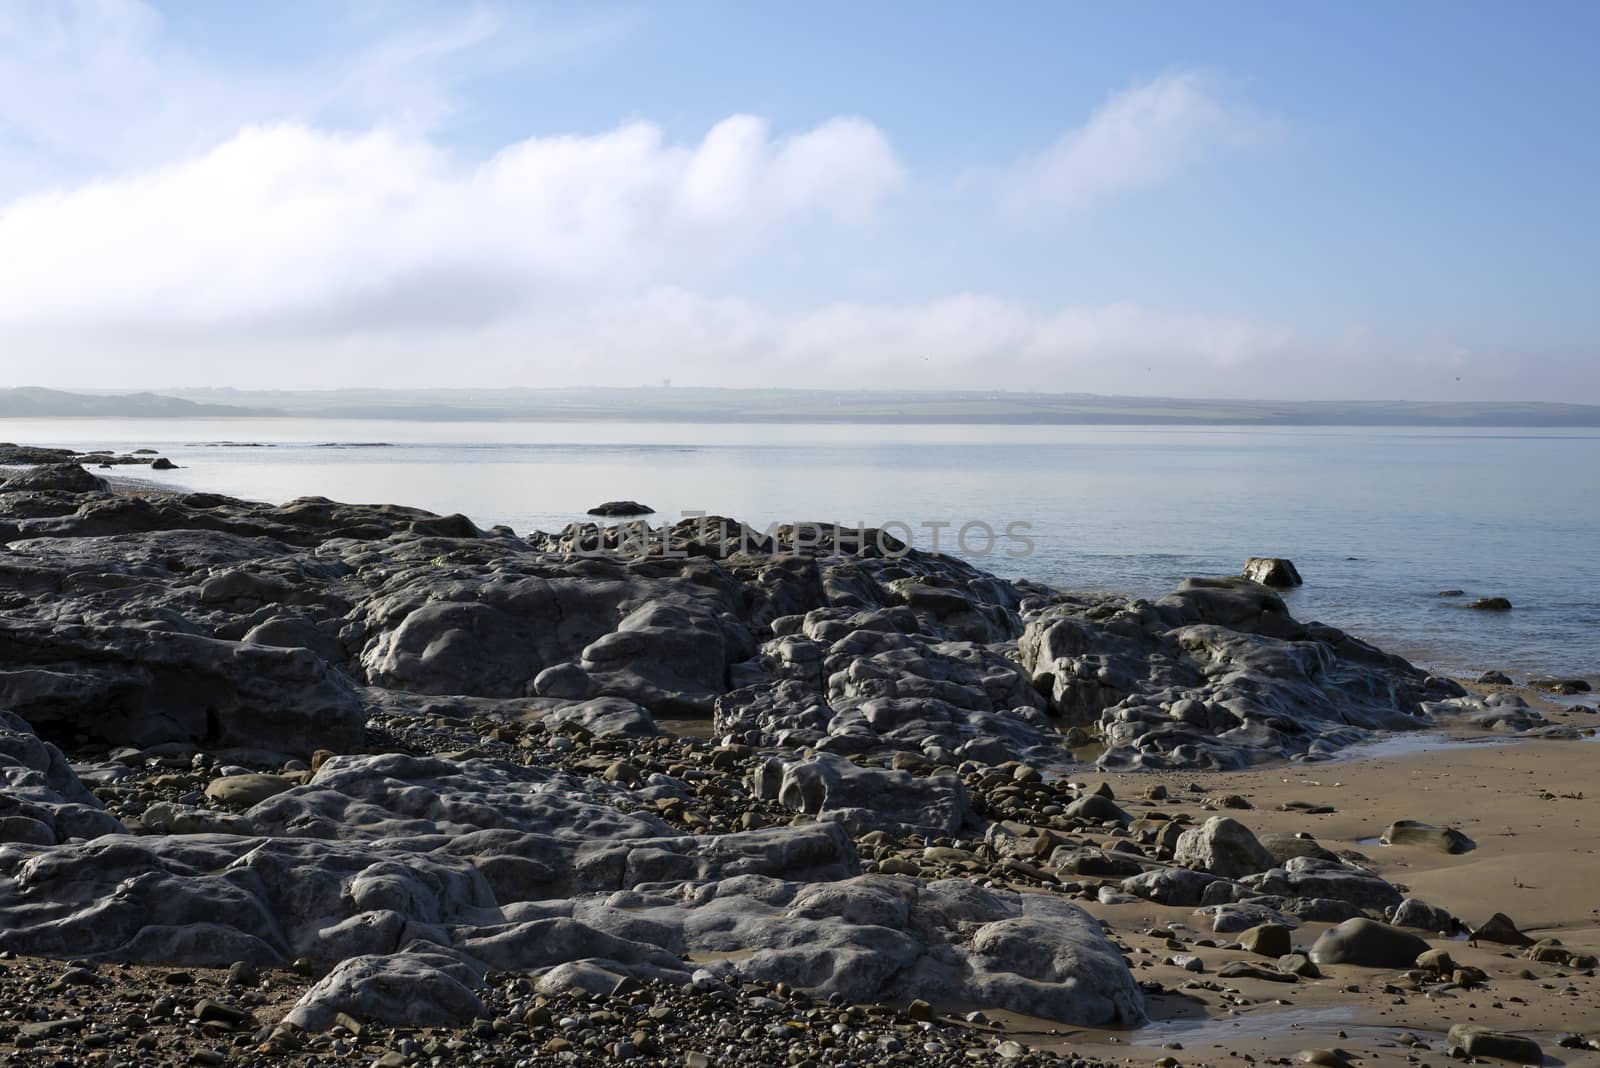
(329, 782)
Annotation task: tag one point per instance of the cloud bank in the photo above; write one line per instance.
(294, 229)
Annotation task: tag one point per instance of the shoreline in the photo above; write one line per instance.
(449, 761)
(1418, 650)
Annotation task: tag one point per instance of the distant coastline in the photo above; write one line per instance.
(708, 405)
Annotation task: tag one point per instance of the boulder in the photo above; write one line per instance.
(1418, 914)
(1501, 930)
(1271, 571)
(1267, 940)
(621, 508)
(1427, 836)
(54, 478)
(1491, 604)
(247, 790)
(133, 686)
(1368, 944)
(1224, 847)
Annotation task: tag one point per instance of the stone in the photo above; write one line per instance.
(1325, 1058)
(1427, 836)
(1368, 944)
(621, 508)
(247, 790)
(1271, 571)
(1418, 914)
(1437, 961)
(1500, 929)
(1491, 604)
(1476, 1041)
(1267, 940)
(1223, 847)
(1243, 969)
(54, 478)
(1299, 964)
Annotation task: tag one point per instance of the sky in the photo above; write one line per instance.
(1327, 201)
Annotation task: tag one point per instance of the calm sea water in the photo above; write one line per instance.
(1378, 521)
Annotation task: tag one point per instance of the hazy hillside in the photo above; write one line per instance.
(697, 405)
(32, 403)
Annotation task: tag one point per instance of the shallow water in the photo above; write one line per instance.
(1377, 520)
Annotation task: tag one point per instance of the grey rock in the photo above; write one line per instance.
(1271, 571)
(54, 478)
(1426, 835)
(1500, 929)
(1418, 914)
(833, 788)
(1369, 944)
(1477, 1041)
(1224, 847)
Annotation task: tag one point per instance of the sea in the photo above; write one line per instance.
(1379, 522)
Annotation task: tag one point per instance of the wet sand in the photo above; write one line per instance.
(1533, 807)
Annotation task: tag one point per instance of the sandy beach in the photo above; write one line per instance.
(1533, 811)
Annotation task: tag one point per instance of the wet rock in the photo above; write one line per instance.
(1272, 571)
(1476, 1041)
(1491, 604)
(1427, 836)
(1561, 686)
(1325, 1058)
(54, 478)
(621, 508)
(1368, 944)
(1494, 678)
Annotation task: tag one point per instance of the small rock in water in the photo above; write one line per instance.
(1491, 604)
(621, 508)
(1272, 571)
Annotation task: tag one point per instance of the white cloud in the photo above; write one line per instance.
(1138, 138)
(287, 226)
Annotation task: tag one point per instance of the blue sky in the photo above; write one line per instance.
(1336, 201)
